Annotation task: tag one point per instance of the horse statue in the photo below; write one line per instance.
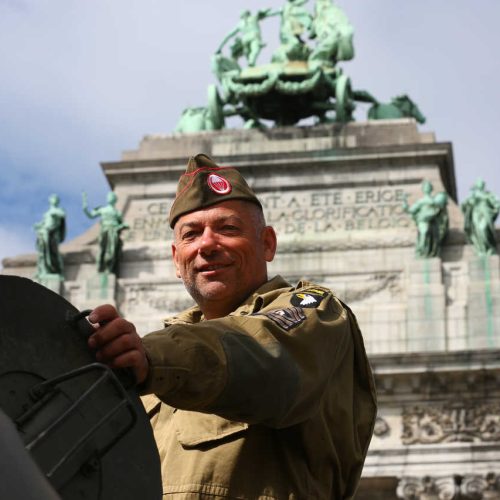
(202, 118)
(399, 107)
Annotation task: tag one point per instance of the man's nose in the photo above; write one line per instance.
(208, 242)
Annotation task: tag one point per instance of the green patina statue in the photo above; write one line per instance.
(295, 23)
(334, 34)
(112, 225)
(249, 42)
(302, 80)
(202, 118)
(430, 215)
(50, 232)
(400, 107)
(480, 211)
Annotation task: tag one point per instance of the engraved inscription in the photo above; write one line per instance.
(292, 213)
(330, 211)
(148, 221)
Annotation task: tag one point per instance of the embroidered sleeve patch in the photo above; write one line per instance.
(311, 297)
(286, 318)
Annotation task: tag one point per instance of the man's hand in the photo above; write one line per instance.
(117, 343)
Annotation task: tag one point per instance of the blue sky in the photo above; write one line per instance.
(83, 80)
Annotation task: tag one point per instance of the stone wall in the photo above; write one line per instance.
(334, 194)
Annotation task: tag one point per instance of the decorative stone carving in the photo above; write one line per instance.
(451, 423)
(377, 283)
(492, 491)
(456, 487)
(145, 298)
(381, 428)
(416, 489)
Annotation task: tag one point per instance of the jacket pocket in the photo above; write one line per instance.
(195, 428)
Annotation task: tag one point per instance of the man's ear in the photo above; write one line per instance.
(270, 242)
(174, 259)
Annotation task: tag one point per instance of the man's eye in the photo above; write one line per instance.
(230, 228)
(188, 235)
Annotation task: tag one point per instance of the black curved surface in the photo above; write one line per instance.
(38, 343)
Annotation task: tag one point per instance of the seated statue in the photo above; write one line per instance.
(295, 21)
(431, 218)
(480, 210)
(109, 237)
(334, 34)
(50, 232)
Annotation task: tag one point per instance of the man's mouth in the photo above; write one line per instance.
(211, 268)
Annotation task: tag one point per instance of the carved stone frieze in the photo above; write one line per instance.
(143, 298)
(461, 422)
(455, 487)
(375, 284)
(381, 428)
(411, 488)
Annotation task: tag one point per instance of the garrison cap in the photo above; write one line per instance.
(204, 184)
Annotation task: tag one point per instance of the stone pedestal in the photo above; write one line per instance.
(426, 306)
(53, 282)
(100, 288)
(483, 304)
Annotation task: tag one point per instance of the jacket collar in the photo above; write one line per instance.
(256, 301)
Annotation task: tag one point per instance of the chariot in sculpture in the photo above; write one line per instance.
(302, 80)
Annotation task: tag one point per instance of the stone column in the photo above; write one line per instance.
(426, 306)
(483, 302)
(53, 282)
(100, 288)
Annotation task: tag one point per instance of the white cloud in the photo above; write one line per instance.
(15, 241)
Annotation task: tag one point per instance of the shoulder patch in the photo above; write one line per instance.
(287, 317)
(310, 297)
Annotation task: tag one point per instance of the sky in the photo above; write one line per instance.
(83, 80)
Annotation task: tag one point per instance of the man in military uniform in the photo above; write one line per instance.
(262, 390)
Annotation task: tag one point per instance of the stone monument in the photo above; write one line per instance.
(335, 194)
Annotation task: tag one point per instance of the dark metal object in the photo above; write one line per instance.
(82, 424)
(19, 476)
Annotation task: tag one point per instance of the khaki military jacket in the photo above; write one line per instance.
(274, 401)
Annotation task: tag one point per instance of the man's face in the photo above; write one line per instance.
(220, 253)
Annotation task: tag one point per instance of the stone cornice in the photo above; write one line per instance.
(443, 376)
(398, 156)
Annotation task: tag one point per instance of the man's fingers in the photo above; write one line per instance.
(129, 359)
(110, 331)
(134, 360)
(116, 357)
(116, 342)
(122, 343)
(102, 314)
